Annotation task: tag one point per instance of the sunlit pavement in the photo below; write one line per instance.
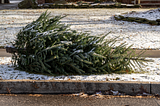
(65, 100)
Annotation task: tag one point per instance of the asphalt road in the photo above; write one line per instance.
(12, 5)
(60, 100)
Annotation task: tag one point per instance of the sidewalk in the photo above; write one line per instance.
(64, 100)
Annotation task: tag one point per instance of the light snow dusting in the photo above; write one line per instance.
(150, 15)
(96, 22)
(93, 21)
(152, 73)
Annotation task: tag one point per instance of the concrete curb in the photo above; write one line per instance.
(57, 86)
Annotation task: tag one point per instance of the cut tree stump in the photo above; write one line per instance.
(14, 50)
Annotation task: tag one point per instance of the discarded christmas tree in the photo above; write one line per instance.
(48, 47)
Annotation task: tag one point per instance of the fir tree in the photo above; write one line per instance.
(48, 47)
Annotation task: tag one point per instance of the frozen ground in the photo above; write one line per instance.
(152, 73)
(97, 21)
(150, 15)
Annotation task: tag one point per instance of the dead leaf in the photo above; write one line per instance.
(127, 71)
(37, 95)
(84, 95)
(133, 78)
(138, 96)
